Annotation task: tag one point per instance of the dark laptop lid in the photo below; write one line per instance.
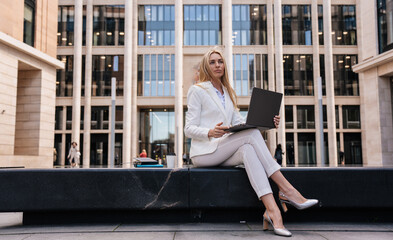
(264, 105)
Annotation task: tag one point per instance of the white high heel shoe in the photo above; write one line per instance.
(284, 199)
(278, 231)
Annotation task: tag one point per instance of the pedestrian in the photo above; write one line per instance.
(143, 154)
(278, 154)
(341, 153)
(212, 108)
(72, 154)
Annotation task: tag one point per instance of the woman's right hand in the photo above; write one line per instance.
(218, 131)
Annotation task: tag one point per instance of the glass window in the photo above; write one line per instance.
(288, 116)
(29, 22)
(99, 117)
(346, 82)
(296, 25)
(69, 118)
(298, 75)
(290, 149)
(249, 25)
(65, 26)
(64, 77)
(353, 148)
(156, 25)
(104, 68)
(306, 149)
(385, 25)
(59, 118)
(108, 25)
(156, 132)
(305, 117)
(156, 75)
(351, 117)
(119, 117)
(320, 24)
(249, 70)
(325, 124)
(202, 25)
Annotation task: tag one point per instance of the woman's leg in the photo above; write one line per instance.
(287, 188)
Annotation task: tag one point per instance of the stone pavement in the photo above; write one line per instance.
(11, 228)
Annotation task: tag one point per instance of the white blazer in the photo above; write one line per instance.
(205, 111)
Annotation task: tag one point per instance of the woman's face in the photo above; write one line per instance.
(216, 64)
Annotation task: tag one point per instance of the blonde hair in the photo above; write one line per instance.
(205, 74)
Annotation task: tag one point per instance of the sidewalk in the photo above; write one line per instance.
(11, 229)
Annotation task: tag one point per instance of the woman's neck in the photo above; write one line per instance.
(217, 84)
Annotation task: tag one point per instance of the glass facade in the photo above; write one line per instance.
(385, 25)
(29, 22)
(157, 132)
(108, 25)
(289, 116)
(65, 26)
(298, 75)
(249, 70)
(99, 117)
(305, 117)
(306, 149)
(249, 25)
(156, 25)
(202, 25)
(105, 67)
(156, 75)
(64, 77)
(296, 25)
(351, 116)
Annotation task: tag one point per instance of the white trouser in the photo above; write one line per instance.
(246, 147)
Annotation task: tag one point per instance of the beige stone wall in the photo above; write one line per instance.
(11, 12)
(385, 112)
(27, 96)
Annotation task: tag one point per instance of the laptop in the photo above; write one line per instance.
(264, 105)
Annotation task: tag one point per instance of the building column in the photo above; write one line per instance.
(179, 83)
(77, 82)
(134, 82)
(127, 158)
(271, 135)
(316, 75)
(227, 36)
(329, 81)
(279, 72)
(88, 72)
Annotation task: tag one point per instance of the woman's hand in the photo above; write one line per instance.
(218, 131)
(276, 120)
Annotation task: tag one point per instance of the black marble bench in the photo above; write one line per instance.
(188, 194)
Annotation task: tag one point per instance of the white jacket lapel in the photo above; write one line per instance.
(212, 92)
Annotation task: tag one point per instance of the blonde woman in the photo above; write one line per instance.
(212, 108)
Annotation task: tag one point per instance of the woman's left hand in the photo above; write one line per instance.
(276, 120)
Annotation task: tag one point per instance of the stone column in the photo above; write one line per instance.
(271, 135)
(127, 158)
(88, 72)
(329, 81)
(134, 93)
(179, 83)
(77, 82)
(279, 72)
(227, 36)
(316, 71)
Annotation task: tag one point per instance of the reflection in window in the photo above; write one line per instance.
(290, 153)
(29, 22)
(288, 116)
(156, 25)
(385, 25)
(119, 117)
(64, 77)
(65, 26)
(104, 68)
(59, 118)
(320, 25)
(108, 25)
(344, 24)
(157, 132)
(202, 25)
(99, 117)
(346, 82)
(156, 75)
(353, 148)
(249, 25)
(305, 117)
(296, 24)
(298, 75)
(69, 118)
(306, 149)
(351, 116)
(249, 70)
